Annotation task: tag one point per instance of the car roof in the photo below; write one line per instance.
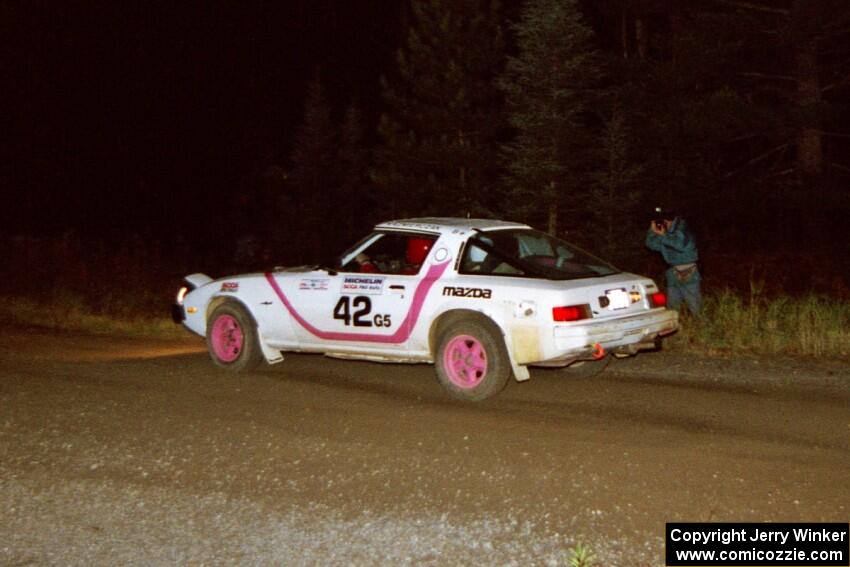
(449, 224)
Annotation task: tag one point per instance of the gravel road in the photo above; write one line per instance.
(117, 451)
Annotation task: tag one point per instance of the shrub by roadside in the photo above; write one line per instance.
(811, 325)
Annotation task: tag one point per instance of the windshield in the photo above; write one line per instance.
(529, 253)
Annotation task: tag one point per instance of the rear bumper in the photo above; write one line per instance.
(577, 340)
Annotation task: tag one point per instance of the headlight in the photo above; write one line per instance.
(181, 294)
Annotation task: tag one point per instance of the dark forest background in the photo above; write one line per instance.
(144, 141)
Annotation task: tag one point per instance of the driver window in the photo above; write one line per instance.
(400, 254)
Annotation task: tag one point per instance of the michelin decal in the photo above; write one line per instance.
(368, 285)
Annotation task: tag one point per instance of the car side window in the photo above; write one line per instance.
(392, 253)
(528, 253)
(479, 260)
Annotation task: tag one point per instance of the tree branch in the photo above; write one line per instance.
(749, 136)
(781, 173)
(777, 91)
(839, 166)
(755, 7)
(832, 33)
(757, 159)
(830, 26)
(766, 76)
(838, 83)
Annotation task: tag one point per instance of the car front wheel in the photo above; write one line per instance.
(232, 339)
(472, 363)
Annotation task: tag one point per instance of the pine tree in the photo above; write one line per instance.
(739, 108)
(309, 189)
(674, 70)
(355, 196)
(802, 86)
(548, 88)
(439, 150)
(614, 229)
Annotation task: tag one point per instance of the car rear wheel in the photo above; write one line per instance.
(587, 368)
(472, 362)
(232, 339)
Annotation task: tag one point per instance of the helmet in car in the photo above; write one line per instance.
(417, 249)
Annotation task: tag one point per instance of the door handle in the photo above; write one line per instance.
(396, 287)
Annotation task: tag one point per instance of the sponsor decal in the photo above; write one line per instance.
(230, 286)
(368, 285)
(474, 292)
(313, 284)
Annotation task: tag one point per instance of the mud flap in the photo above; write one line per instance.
(520, 371)
(272, 355)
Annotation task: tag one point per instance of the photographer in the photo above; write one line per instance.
(668, 233)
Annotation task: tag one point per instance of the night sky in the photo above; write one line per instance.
(118, 114)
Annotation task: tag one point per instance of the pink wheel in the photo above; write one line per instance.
(227, 338)
(465, 361)
(471, 360)
(232, 338)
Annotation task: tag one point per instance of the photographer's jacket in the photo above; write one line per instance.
(677, 246)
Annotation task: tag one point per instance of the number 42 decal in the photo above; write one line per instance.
(362, 309)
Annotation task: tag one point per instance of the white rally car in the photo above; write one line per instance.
(483, 300)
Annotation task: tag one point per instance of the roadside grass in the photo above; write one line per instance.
(64, 311)
(812, 325)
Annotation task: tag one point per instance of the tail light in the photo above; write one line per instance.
(658, 299)
(570, 313)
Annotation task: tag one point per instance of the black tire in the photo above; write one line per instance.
(226, 352)
(587, 368)
(486, 369)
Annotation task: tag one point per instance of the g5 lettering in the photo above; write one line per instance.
(360, 316)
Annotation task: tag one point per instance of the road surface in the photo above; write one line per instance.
(138, 452)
